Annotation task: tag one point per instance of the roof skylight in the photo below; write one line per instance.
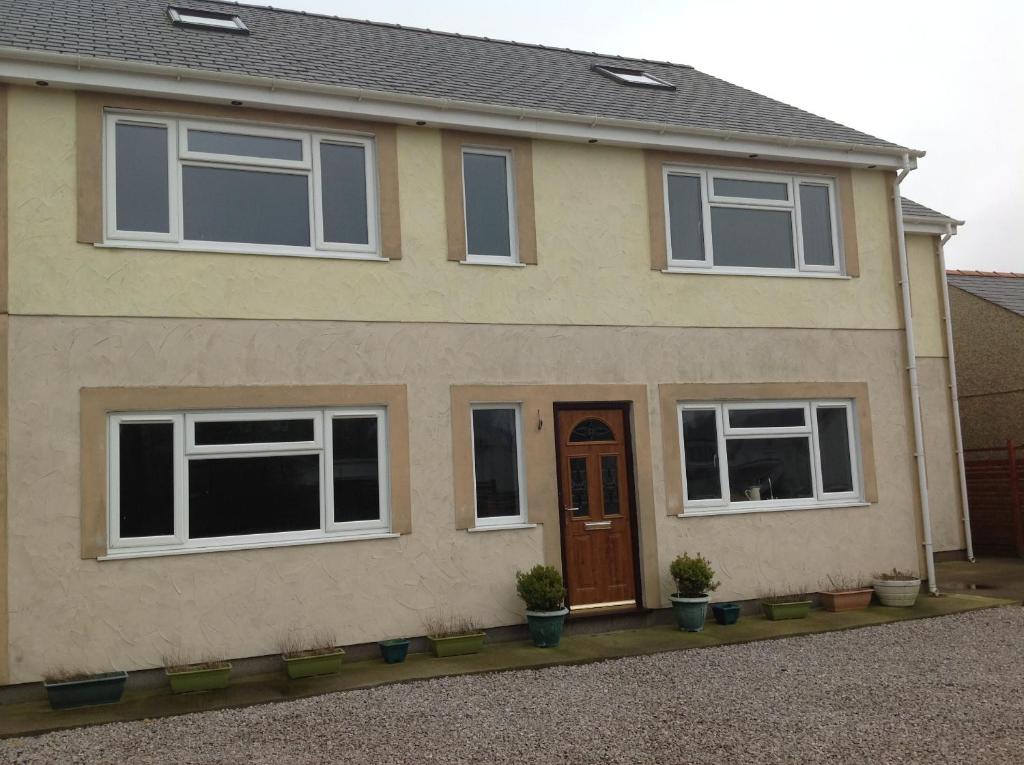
(224, 22)
(633, 77)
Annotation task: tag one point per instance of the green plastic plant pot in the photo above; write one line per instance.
(197, 680)
(91, 691)
(796, 609)
(546, 627)
(312, 666)
(726, 613)
(394, 651)
(459, 645)
(690, 613)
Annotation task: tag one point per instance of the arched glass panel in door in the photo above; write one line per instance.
(591, 430)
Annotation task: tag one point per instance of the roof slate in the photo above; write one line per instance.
(1003, 289)
(310, 48)
(912, 209)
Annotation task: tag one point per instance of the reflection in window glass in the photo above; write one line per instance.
(700, 439)
(141, 178)
(487, 204)
(752, 238)
(834, 443)
(496, 462)
(355, 469)
(769, 468)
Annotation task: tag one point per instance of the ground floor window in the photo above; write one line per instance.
(498, 465)
(768, 455)
(237, 478)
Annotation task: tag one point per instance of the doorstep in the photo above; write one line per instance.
(36, 717)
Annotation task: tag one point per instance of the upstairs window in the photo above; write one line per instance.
(489, 195)
(239, 188)
(750, 223)
(223, 22)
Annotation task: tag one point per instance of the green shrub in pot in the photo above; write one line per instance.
(543, 592)
(695, 581)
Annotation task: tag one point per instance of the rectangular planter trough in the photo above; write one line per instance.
(312, 666)
(456, 646)
(846, 600)
(197, 680)
(98, 689)
(796, 609)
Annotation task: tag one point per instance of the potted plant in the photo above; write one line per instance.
(542, 590)
(67, 689)
(453, 636)
(779, 607)
(897, 588)
(695, 580)
(845, 594)
(726, 613)
(318, 655)
(394, 650)
(196, 677)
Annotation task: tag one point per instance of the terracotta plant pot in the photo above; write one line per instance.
(458, 645)
(311, 666)
(794, 609)
(846, 600)
(901, 593)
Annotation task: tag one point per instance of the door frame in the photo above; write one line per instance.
(626, 407)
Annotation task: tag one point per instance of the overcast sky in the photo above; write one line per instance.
(945, 77)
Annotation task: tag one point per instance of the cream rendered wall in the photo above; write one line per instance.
(592, 237)
(125, 613)
(926, 295)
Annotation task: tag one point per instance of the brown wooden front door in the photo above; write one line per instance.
(596, 507)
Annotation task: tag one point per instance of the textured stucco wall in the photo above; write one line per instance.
(926, 295)
(126, 613)
(591, 223)
(940, 455)
(989, 345)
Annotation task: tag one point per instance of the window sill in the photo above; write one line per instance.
(291, 252)
(504, 527)
(156, 553)
(724, 511)
(755, 272)
(491, 263)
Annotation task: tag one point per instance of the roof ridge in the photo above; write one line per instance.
(1001, 274)
(391, 25)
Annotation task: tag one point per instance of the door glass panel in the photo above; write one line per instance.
(769, 468)
(610, 484)
(700, 442)
(216, 432)
(578, 486)
(591, 430)
(834, 442)
(766, 418)
(752, 238)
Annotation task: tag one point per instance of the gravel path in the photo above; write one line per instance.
(931, 691)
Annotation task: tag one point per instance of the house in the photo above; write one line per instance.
(312, 323)
(988, 335)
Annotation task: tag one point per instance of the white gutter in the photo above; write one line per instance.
(947, 318)
(915, 390)
(87, 72)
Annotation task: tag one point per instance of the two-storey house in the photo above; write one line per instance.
(311, 323)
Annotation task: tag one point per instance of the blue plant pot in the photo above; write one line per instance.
(726, 613)
(394, 651)
(690, 613)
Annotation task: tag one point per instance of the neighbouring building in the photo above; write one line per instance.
(311, 323)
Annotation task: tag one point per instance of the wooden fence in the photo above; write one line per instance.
(995, 491)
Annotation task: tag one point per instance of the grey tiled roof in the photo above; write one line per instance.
(1003, 289)
(912, 209)
(309, 48)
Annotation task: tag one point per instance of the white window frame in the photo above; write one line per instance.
(818, 498)
(502, 520)
(185, 451)
(180, 156)
(510, 182)
(711, 200)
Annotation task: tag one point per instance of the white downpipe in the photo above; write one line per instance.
(915, 390)
(947, 318)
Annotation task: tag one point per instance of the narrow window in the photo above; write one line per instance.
(488, 202)
(497, 465)
(834, 443)
(816, 225)
(703, 472)
(686, 217)
(356, 473)
(145, 487)
(344, 193)
(141, 180)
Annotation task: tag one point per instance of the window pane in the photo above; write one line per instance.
(766, 418)
(591, 430)
(610, 484)
(816, 222)
(343, 191)
(487, 221)
(356, 473)
(752, 238)
(686, 218)
(140, 185)
(579, 488)
(834, 442)
(731, 187)
(769, 468)
(700, 443)
(222, 205)
(146, 486)
(210, 433)
(265, 147)
(496, 462)
(253, 495)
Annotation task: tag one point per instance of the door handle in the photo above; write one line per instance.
(572, 509)
(597, 525)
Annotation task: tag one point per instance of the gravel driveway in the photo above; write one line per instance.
(933, 691)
